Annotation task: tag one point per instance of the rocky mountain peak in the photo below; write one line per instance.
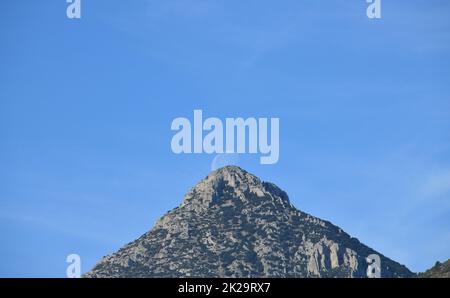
(232, 183)
(231, 224)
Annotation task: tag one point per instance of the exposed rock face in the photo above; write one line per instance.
(231, 224)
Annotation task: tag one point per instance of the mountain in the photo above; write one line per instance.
(231, 224)
(439, 270)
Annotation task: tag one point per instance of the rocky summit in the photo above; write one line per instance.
(231, 224)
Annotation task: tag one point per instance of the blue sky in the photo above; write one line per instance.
(86, 107)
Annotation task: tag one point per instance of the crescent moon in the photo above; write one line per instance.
(224, 159)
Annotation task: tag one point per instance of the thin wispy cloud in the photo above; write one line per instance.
(437, 184)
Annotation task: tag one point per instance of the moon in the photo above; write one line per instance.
(224, 159)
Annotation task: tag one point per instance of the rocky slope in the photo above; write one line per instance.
(231, 224)
(439, 270)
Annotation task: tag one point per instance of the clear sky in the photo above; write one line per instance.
(86, 107)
